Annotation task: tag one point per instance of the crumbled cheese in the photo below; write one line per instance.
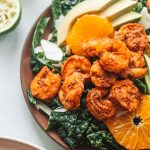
(145, 18)
(50, 36)
(68, 50)
(38, 50)
(51, 50)
(59, 21)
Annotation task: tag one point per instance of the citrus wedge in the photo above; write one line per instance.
(132, 130)
(86, 28)
(10, 14)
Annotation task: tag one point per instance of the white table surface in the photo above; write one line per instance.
(15, 118)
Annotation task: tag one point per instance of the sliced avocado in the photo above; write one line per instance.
(87, 6)
(118, 8)
(147, 77)
(126, 18)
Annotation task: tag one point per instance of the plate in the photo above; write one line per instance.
(27, 76)
(15, 144)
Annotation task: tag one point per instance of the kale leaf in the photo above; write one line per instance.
(148, 31)
(143, 2)
(40, 28)
(35, 62)
(38, 60)
(56, 10)
(100, 138)
(55, 103)
(78, 127)
(71, 126)
(142, 87)
(35, 65)
(138, 8)
(30, 97)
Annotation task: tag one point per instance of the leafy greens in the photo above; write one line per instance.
(38, 60)
(75, 127)
(79, 127)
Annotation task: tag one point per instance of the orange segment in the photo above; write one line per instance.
(87, 27)
(132, 130)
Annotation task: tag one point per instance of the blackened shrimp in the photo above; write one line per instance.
(126, 94)
(99, 106)
(45, 85)
(137, 67)
(71, 92)
(76, 64)
(116, 57)
(134, 36)
(100, 77)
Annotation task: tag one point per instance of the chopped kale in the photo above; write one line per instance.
(56, 10)
(36, 66)
(40, 28)
(100, 138)
(138, 8)
(148, 31)
(38, 60)
(30, 97)
(142, 87)
(35, 63)
(143, 2)
(55, 103)
(78, 127)
(71, 126)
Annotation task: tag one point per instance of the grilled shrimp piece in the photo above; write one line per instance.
(134, 36)
(137, 67)
(76, 64)
(126, 94)
(90, 47)
(100, 107)
(94, 47)
(71, 91)
(45, 84)
(116, 58)
(104, 44)
(100, 77)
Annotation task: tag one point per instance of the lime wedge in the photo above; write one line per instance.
(10, 14)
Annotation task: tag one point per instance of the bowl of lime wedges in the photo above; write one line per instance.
(10, 15)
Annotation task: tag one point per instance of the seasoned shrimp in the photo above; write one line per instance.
(90, 47)
(100, 77)
(100, 107)
(116, 58)
(45, 84)
(71, 92)
(105, 44)
(94, 47)
(126, 94)
(76, 64)
(137, 67)
(134, 36)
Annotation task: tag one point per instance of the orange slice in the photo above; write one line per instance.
(132, 130)
(86, 28)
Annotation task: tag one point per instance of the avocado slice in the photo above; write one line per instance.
(118, 8)
(147, 77)
(126, 18)
(87, 6)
